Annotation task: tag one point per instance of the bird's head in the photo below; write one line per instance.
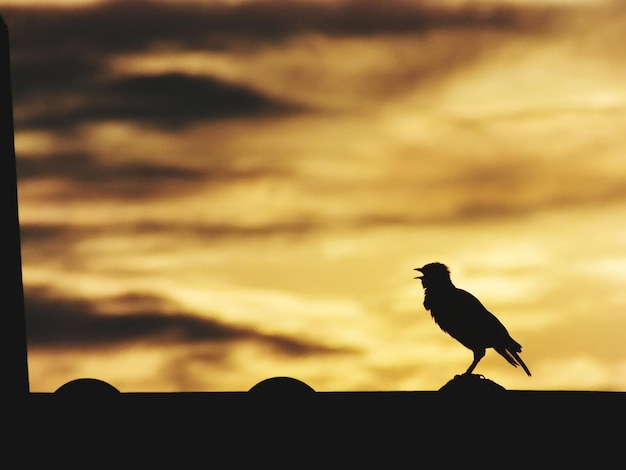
(433, 274)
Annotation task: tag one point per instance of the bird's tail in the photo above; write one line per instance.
(513, 358)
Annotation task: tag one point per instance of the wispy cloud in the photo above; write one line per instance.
(86, 168)
(116, 26)
(54, 321)
(167, 101)
(75, 50)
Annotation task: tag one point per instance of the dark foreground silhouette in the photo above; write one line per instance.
(282, 422)
(472, 385)
(464, 317)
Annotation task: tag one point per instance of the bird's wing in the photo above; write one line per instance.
(484, 324)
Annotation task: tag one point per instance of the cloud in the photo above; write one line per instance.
(73, 48)
(54, 321)
(169, 101)
(87, 178)
(72, 166)
(62, 71)
(117, 25)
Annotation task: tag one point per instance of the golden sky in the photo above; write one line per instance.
(216, 193)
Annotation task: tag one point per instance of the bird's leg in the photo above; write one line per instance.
(478, 355)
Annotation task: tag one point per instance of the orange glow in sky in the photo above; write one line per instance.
(216, 193)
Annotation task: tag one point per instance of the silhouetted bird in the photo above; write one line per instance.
(463, 316)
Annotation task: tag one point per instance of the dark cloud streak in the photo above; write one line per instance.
(78, 166)
(56, 71)
(122, 26)
(88, 178)
(169, 101)
(61, 56)
(54, 321)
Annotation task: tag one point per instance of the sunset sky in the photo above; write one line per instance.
(217, 192)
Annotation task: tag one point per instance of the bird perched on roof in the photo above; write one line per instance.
(463, 316)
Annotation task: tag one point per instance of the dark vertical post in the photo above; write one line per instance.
(13, 355)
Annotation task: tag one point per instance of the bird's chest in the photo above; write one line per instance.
(445, 318)
(447, 311)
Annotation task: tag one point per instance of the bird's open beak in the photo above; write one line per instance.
(420, 270)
